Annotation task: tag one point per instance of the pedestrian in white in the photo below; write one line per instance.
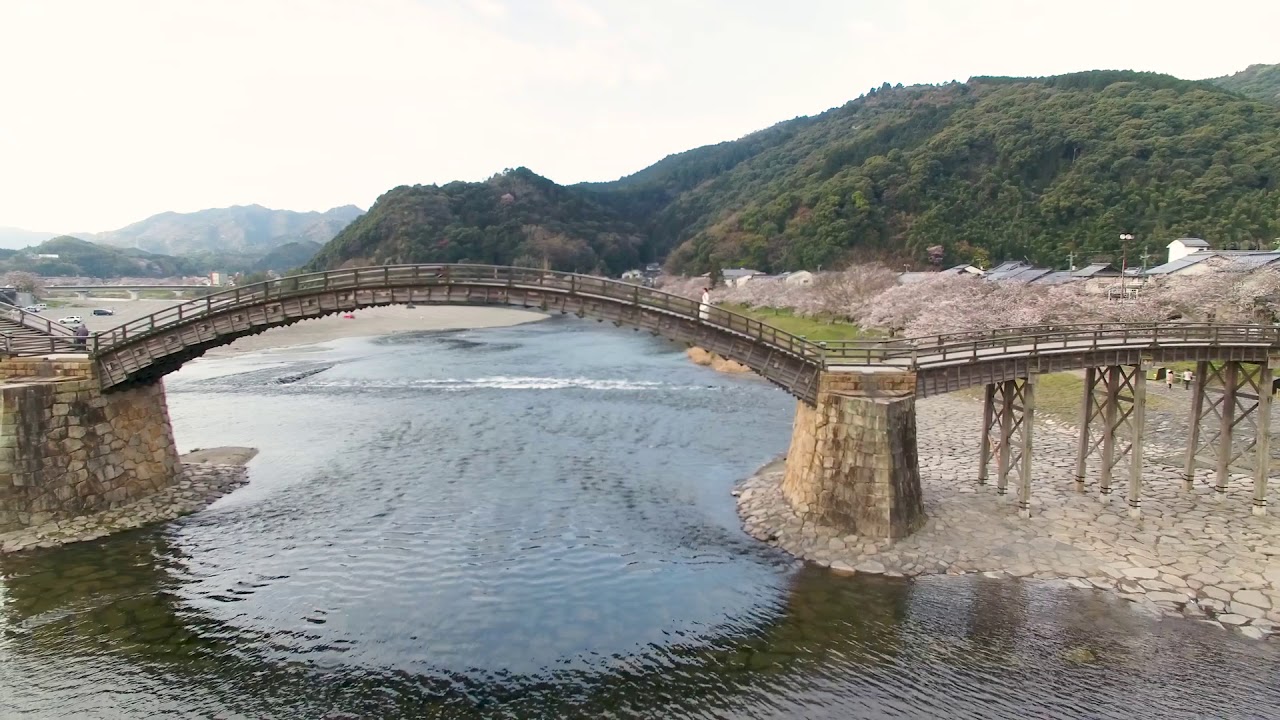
(1168, 378)
(704, 309)
(1186, 379)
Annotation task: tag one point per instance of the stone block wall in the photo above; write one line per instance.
(852, 463)
(67, 449)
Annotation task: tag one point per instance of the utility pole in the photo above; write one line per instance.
(1125, 239)
(1071, 261)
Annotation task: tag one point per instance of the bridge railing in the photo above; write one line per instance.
(1043, 339)
(11, 344)
(899, 352)
(34, 321)
(389, 277)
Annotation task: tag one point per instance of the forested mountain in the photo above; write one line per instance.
(244, 229)
(78, 258)
(288, 256)
(513, 218)
(1257, 81)
(979, 171)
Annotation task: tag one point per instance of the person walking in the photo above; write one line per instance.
(82, 336)
(1186, 379)
(704, 308)
(1168, 378)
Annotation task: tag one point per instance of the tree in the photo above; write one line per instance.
(24, 282)
(716, 275)
(251, 278)
(936, 254)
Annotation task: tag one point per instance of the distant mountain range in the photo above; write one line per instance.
(14, 238)
(235, 239)
(245, 229)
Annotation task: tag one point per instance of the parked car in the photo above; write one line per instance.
(42, 306)
(70, 321)
(31, 309)
(104, 311)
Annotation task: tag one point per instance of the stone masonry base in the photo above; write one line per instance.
(852, 463)
(67, 449)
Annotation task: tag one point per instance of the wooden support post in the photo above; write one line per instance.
(988, 413)
(1086, 414)
(1262, 447)
(1007, 389)
(1024, 472)
(1137, 425)
(1110, 404)
(1230, 378)
(1193, 431)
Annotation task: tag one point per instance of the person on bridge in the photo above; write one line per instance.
(82, 336)
(704, 309)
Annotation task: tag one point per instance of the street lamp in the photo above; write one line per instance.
(1125, 239)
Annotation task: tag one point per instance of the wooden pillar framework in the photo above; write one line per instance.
(988, 446)
(1008, 415)
(1193, 428)
(1230, 422)
(1111, 427)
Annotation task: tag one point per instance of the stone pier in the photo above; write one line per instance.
(67, 449)
(852, 464)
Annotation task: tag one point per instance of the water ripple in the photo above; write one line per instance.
(536, 522)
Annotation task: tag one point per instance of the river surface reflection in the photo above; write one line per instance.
(536, 522)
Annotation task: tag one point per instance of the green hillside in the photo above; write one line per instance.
(78, 258)
(1261, 82)
(288, 256)
(989, 169)
(513, 218)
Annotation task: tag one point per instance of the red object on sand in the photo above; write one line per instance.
(349, 316)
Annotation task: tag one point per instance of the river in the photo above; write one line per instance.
(537, 522)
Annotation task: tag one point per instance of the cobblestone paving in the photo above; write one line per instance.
(201, 485)
(1187, 556)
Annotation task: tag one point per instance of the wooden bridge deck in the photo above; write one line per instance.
(154, 345)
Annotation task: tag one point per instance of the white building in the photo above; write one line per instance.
(1193, 256)
(798, 278)
(1183, 247)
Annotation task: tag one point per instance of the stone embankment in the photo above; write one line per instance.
(1187, 556)
(200, 483)
(705, 358)
(67, 449)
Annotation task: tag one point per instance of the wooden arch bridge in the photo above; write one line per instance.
(1231, 406)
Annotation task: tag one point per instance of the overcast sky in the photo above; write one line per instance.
(113, 111)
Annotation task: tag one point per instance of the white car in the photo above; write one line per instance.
(71, 320)
(31, 309)
(40, 306)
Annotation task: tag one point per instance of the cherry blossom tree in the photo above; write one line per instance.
(24, 281)
(953, 305)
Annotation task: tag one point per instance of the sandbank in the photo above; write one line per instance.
(367, 322)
